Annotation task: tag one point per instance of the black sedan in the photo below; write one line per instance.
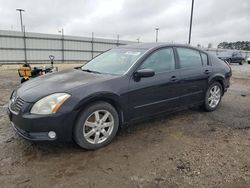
(123, 85)
(234, 57)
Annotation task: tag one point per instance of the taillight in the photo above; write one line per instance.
(230, 72)
(227, 64)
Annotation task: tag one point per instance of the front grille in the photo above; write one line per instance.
(16, 104)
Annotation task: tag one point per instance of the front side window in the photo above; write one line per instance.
(160, 61)
(115, 61)
(189, 58)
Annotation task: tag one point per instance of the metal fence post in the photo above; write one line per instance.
(24, 45)
(117, 40)
(92, 45)
(62, 45)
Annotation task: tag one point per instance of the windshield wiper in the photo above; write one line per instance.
(91, 71)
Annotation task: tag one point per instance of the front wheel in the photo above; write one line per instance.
(213, 96)
(96, 126)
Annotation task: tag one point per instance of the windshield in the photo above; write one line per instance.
(114, 61)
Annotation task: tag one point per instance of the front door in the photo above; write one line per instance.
(159, 93)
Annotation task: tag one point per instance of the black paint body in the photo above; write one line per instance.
(133, 99)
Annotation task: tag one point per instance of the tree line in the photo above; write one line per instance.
(239, 45)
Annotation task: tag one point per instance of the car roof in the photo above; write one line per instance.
(148, 46)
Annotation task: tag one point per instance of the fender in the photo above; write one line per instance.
(112, 98)
(217, 77)
(99, 95)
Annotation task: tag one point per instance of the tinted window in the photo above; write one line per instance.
(160, 61)
(204, 59)
(189, 58)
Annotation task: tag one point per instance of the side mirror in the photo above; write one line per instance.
(143, 73)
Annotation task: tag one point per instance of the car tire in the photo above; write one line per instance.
(248, 62)
(96, 126)
(241, 63)
(212, 101)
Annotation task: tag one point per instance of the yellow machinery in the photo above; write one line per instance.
(25, 73)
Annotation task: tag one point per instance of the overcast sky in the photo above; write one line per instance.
(214, 20)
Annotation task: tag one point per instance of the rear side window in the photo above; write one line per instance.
(160, 61)
(189, 58)
(204, 59)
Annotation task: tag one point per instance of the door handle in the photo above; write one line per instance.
(207, 71)
(173, 79)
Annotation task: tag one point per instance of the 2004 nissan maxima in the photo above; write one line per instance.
(123, 85)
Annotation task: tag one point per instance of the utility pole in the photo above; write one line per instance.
(21, 17)
(138, 39)
(191, 22)
(156, 33)
(24, 34)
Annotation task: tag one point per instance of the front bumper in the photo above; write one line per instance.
(33, 136)
(36, 127)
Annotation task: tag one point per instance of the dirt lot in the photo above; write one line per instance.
(191, 148)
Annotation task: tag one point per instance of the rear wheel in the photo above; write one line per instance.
(241, 63)
(96, 126)
(213, 96)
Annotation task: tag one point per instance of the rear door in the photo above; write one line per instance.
(159, 93)
(194, 73)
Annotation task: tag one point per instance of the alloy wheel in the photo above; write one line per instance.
(98, 126)
(214, 96)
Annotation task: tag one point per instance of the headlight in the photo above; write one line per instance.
(49, 104)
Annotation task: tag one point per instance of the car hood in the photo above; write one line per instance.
(62, 81)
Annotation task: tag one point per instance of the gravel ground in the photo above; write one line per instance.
(190, 148)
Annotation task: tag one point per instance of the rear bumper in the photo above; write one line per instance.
(36, 127)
